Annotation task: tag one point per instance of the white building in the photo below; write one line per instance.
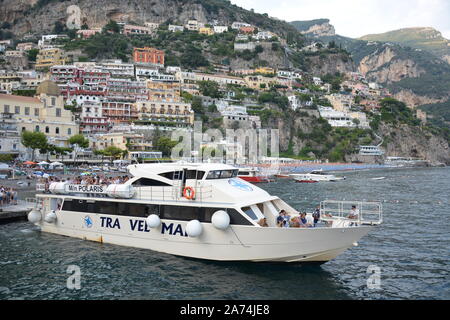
(220, 29)
(264, 35)
(118, 69)
(244, 46)
(175, 28)
(237, 25)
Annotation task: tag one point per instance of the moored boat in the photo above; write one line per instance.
(200, 211)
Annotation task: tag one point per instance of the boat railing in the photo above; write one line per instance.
(174, 193)
(369, 213)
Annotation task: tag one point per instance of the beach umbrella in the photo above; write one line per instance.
(56, 164)
(29, 162)
(43, 163)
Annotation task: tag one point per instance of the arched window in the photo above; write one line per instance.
(47, 130)
(69, 131)
(57, 130)
(37, 129)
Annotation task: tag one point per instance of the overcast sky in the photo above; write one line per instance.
(355, 18)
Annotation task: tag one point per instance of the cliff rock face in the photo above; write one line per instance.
(330, 64)
(413, 100)
(385, 67)
(40, 16)
(320, 30)
(404, 141)
(428, 39)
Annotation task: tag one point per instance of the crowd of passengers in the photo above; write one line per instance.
(284, 220)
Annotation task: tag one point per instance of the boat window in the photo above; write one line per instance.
(195, 174)
(221, 174)
(172, 175)
(236, 218)
(180, 213)
(145, 182)
(249, 211)
(244, 173)
(215, 174)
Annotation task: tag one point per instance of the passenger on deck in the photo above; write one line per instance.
(263, 223)
(280, 219)
(354, 213)
(295, 222)
(303, 221)
(316, 215)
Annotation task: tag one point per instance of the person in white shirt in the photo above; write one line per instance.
(354, 213)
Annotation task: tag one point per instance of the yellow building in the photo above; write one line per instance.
(168, 91)
(207, 31)
(47, 58)
(43, 113)
(258, 82)
(175, 113)
(121, 140)
(265, 70)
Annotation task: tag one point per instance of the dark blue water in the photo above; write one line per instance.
(411, 250)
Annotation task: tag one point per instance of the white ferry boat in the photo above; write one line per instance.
(316, 175)
(200, 211)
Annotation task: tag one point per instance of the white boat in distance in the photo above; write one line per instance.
(200, 211)
(316, 175)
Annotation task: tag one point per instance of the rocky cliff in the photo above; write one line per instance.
(315, 28)
(427, 38)
(39, 16)
(330, 64)
(405, 141)
(384, 66)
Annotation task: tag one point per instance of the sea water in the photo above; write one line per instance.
(407, 257)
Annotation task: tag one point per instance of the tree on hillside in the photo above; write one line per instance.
(111, 26)
(34, 140)
(79, 141)
(210, 89)
(165, 145)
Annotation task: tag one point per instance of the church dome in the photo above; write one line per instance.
(49, 88)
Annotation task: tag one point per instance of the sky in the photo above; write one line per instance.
(355, 18)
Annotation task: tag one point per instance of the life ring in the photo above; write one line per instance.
(189, 193)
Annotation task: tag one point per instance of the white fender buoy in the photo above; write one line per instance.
(34, 216)
(50, 217)
(153, 221)
(220, 219)
(194, 228)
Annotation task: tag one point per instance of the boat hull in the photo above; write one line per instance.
(254, 179)
(237, 243)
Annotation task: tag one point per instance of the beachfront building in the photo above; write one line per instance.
(43, 113)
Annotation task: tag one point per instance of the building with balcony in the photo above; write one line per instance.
(177, 114)
(129, 29)
(148, 55)
(48, 58)
(43, 113)
(167, 91)
(117, 69)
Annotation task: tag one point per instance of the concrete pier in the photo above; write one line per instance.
(10, 213)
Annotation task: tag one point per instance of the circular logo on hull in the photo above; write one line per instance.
(240, 185)
(88, 221)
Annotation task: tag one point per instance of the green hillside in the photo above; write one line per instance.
(420, 38)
